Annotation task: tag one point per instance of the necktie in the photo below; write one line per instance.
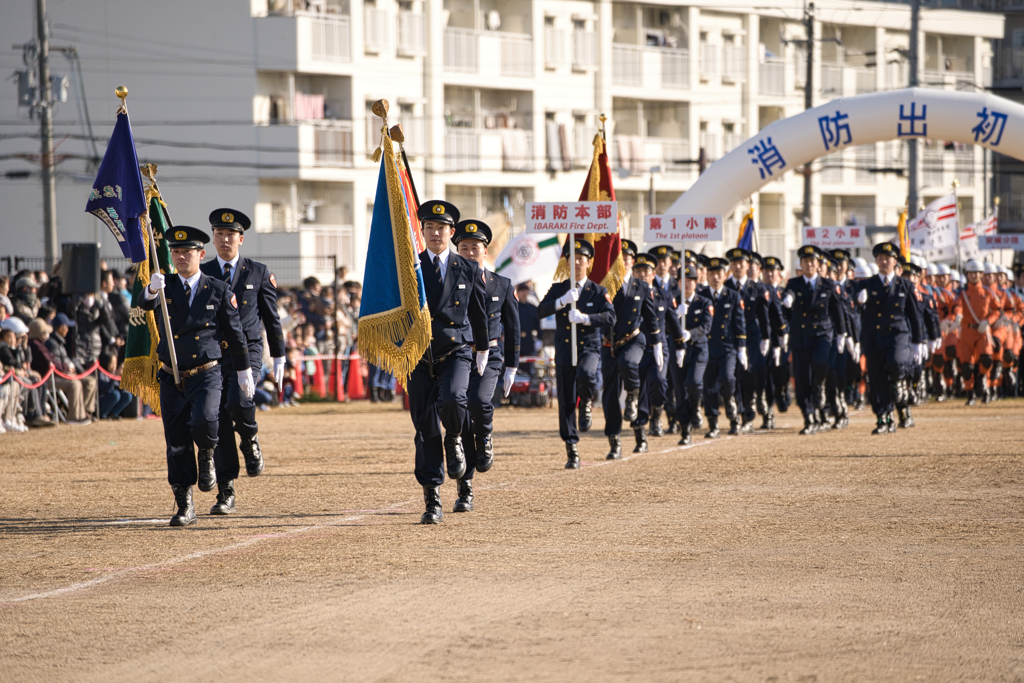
(437, 270)
(188, 293)
(227, 272)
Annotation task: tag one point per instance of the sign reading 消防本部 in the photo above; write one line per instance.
(552, 217)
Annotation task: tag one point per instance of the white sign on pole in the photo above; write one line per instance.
(683, 228)
(934, 231)
(836, 237)
(552, 217)
(1015, 242)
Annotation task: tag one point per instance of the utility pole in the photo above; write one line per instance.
(808, 102)
(46, 130)
(913, 175)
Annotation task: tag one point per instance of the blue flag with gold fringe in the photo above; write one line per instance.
(746, 237)
(117, 197)
(394, 320)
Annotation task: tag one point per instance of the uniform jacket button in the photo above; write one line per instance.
(193, 355)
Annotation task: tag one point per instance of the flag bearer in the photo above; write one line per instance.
(727, 346)
(593, 311)
(203, 313)
(255, 291)
(471, 239)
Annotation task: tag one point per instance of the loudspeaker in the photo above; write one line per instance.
(80, 267)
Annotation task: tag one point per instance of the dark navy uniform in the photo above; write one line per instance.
(256, 293)
(815, 318)
(579, 381)
(655, 394)
(689, 379)
(529, 329)
(438, 387)
(777, 386)
(756, 301)
(192, 413)
(728, 334)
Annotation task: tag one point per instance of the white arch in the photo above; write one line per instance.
(972, 118)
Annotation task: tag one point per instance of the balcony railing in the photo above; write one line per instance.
(831, 80)
(772, 79)
(932, 165)
(865, 80)
(638, 155)
(897, 75)
(554, 47)
(332, 144)
(949, 80)
(963, 166)
(330, 37)
(375, 40)
(709, 143)
(731, 142)
(1009, 63)
(502, 149)
(461, 50)
(412, 34)
(584, 50)
(1011, 208)
(415, 130)
(734, 63)
(865, 160)
(832, 169)
(710, 66)
(647, 67)
(516, 55)
(583, 145)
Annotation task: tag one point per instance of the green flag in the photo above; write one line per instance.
(140, 358)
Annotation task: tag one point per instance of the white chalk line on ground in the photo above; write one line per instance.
(154, 566)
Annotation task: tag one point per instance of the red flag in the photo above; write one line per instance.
(607, 268)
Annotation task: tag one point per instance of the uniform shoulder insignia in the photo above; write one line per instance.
(608, 296)
(273, 281)
(233, 301)
(838, 291)
(711, 310)
(741, 305)
(767, 297)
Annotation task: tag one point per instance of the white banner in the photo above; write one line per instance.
(528, 257)
(969, 237)
(552, 217)
(934, 231)
(837, 237)
(1015, 242)
(683, 228)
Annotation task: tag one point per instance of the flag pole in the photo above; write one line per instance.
(572, 285)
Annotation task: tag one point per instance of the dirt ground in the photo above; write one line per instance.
(769, 557)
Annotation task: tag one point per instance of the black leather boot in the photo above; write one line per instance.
(882, 427)
(819, 395)
(656, 428)
(687, 438)
(632, 405)
(572, 455)
(186, 514)
(674, 427)
(586, 417)
(641, 439)
(253, 456)
(432, 500)
(464, 503)
(769, 419)
(207, 473)
(454, 456)
(697, 414)
(906, 419)
(712, 428)
(616, 448)
(225, 504)
(484, 453)
(891, 423)
(810, 426)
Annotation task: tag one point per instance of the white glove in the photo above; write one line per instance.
(510, 376)
(840, 343)
(785, 342)
(156, 282)
(88, 300)
(777, 356)
(481, 361)
(686, 336)
(925, 352)
(681, 310)
(862, 296)
(983, 327)
(659, 358)
(766, 344)
(851, 345)
(245, 383)
(680, 357)
(579, 318)
(279, 371)
(569, 297)
(936, 345)
(856, 352)
(787, 300)
(743, 357)
(917, 353)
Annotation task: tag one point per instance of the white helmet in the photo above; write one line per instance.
(991, 268)
(859, 261)
(955, 274)
(874, 268)
(943, 269)
(1006, 271)
(861, 272)
(973, 266)
(933, 269)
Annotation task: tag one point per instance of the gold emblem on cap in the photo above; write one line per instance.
(180, 235)
(438, 209)
(578, 245)
(227, 218)
(471, 227)
(662, 250)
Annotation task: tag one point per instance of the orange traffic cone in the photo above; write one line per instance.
(356, 389)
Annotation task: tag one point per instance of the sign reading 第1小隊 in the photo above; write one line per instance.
(1014, 242)
(549, 217)
(836, 237)
(683, 228)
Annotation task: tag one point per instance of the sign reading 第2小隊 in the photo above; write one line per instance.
(836, 237)
(683, 228)
(600, 217)
(1014, 242)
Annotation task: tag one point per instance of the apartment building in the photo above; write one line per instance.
(500, 102)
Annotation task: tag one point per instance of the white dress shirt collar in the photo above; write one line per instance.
(233, 262)
(581, 284)
(193, 283)
(812, 281)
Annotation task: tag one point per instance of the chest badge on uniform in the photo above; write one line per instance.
(210, 307)
(462, 286)
(248, 286)
(495, 298)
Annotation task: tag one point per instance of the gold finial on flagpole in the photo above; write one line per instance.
(380, 108)
(122, 93)
(996, 200)
(956, 183)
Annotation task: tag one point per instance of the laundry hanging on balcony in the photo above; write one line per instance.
(309, 107)
(515, 149)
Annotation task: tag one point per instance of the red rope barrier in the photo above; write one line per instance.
(92, 368)
(10, 375)
(116, 378)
